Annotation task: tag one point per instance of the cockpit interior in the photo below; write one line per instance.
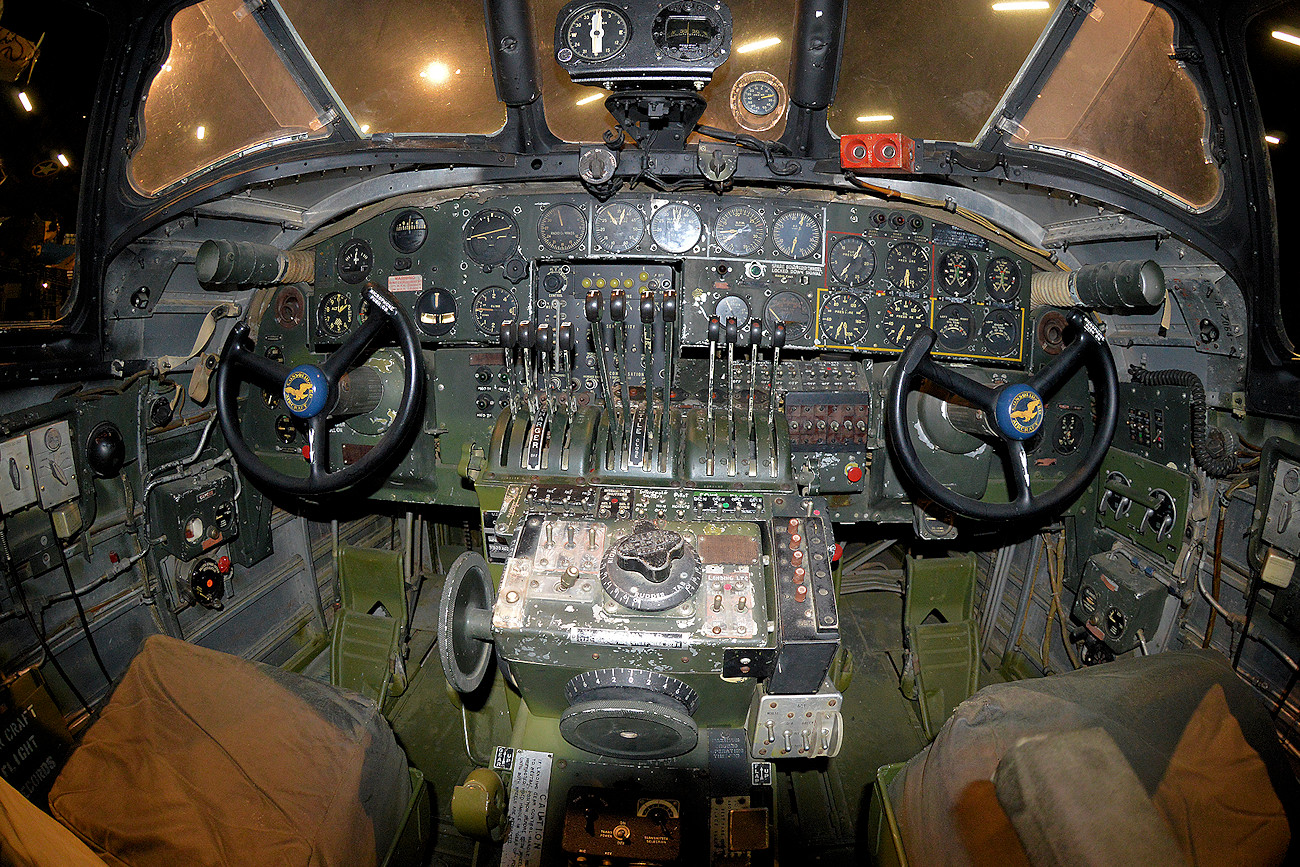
(641, 433)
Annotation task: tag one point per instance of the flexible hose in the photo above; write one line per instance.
(1218, 467)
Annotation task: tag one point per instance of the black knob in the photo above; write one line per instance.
(106, 450)
(484, 404)
(670, 306)
(647, 308)
(526, 335)
(733, 330)
(508, 335)
(756, 332)
(553, 282)
(650, 553)
(567, 340)
(617, 305)
(778, 335)
(715, 330)
(595, 302)
(544, 338)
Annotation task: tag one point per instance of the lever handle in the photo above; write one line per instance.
(617, 305)
(595, 303)
(526, 336)
(647, 308)
(733, 331)
(755, 333)
(508, 336)
(778, 336)
(669, 306)
(566, 337)
(715, 330)
(544, 338)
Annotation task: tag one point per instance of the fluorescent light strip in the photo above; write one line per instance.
(1022, 6)
(759, 45)
(63, 161)
(27, 103)
(1286, 37)
(1273, 140)
(875, 118)
(588, 100)
(200, 132)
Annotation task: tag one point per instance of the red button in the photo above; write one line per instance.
(223, 564)
(112, 557)
(853, 473)
(839, 552)
(306, 452)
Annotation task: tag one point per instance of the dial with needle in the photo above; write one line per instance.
(598, 33)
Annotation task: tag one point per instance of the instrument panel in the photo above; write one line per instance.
(855, 276)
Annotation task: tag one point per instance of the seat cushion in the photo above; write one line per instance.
(1197, 738)
(202, 758)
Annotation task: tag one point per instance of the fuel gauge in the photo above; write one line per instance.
(1001, 332)
(955, 325)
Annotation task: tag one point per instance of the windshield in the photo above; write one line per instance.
(1120, 95)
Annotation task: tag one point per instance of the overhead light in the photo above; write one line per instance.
(436, 72)
(1273, 139)
(200, 132)
(365, 127)
(63, 161)
(587, 100)
(22, 97)
(1022, 6)
(759, 45)
(1286, 37)
(875, 118)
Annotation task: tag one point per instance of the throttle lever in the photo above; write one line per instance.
(508, 339)
(733, 335)
(715, 335)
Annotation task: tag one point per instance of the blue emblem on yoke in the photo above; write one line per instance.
(1019, 412)
(306, 391)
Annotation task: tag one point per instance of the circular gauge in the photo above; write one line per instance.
(1088, 597)
(903, 318)
(740, 230)
(597, 33)
(1065, 438)
(285, 429)
(1116, 622)
(908, 266)
(797, 234)
(687, 30)
(791, 310)
(958, 273)
(335, 314)
(354, 261)
(408, 232)
(956, 326)
(490, 237)
(492, 306)
(619, 227)
(843, 320)
(675, 227)
(759, 98)
(1001, 332)
(852, 261)
(275, 353)
(562, 228)
(435, 312)
(732, 307)
(1002, 279)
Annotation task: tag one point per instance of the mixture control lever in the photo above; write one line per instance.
(715, 335)
(751, 435)
(508, 341)
(733, 335)
(526, 341)
(778, 340)
(545, 343)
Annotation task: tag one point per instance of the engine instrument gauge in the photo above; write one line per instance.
(732, 307)
(354, 261)
(1001, 332)
(1116, 622)
(1065, 437)
(1088, 598)
(285, 430)
(956, 326)
(687, 30)
(490, 237)
(903, 318)
(408, 232)
(1002, 279)
(759, 98)
(852, 261)
(675, 227)
(740, 230)
(907, 266)
(843, 320)
(597, 33)
(335, 314)
(791, 310)
(619, 227)
(435, 312)
(797, 234)
(958, 273)
(562, 228)
(492, 306)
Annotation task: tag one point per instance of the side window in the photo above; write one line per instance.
(1273, 50)
(50, 56)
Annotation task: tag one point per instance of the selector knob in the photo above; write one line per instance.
(650, 553)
